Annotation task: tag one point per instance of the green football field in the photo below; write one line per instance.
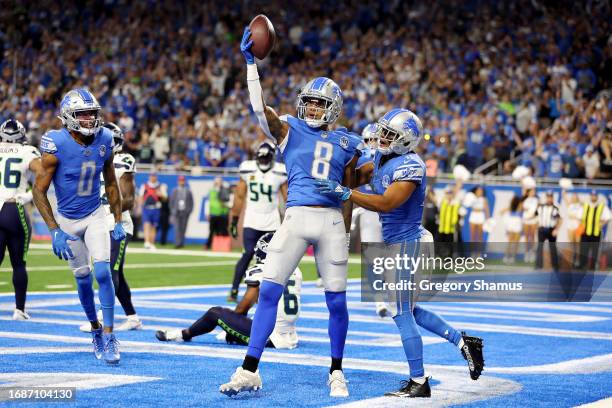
(166, 267)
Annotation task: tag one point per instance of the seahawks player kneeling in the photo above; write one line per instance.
(235, 322)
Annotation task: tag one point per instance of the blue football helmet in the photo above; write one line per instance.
(325, 91)
(261, 248)
(77, 103)
(12, 131)
(400, 130)
(370, 136)
(118, 136)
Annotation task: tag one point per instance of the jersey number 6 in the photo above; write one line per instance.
(11, 178)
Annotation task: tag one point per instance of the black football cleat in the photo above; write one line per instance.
(412, 389)
(472, 353)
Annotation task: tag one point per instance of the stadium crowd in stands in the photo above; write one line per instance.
(524, 81)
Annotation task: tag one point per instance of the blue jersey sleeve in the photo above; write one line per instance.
(49, 142)
(409, 170)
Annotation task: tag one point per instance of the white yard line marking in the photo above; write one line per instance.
(58, 286)
(190, 252)
(454, 310)
(165, 265)
(602, 403)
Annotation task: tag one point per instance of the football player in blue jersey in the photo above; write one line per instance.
(370, 229)
(397, 176)
(73, 158)
(311, 150)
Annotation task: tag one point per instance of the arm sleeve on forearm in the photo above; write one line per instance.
(255, 95)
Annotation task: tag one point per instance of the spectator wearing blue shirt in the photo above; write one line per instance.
(234, 155)
(213, 152)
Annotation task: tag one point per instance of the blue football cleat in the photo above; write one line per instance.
(98, 342)
(111, 349)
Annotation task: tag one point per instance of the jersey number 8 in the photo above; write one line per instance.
(322, 155)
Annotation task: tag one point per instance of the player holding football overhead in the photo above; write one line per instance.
(397, 176)
(311, 150)
(236, 323)
(125, 167)
(261, 181)
(73, 158)
(16, 159)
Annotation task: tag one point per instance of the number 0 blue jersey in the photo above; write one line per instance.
(77, 176)
(311, 153)
(403, 223)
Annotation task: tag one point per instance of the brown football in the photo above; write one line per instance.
(263, 36)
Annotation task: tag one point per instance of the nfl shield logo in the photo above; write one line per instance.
(344, 142)
(102, 150)
(385, 181)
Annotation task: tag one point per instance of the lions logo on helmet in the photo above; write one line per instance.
(370, 136)
(265, 156)
(118, 136)
(80, 112)
(399, 132)
(12, 131)
(326, 93)
(261, 248)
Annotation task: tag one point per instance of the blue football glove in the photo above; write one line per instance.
(333, 189)
(245, 46)
(60, 239)
(118, 234)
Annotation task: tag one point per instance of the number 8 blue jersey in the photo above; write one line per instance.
(312, 153)
(77, 176)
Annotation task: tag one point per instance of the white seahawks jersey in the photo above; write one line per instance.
(262, 212)
(123, 163)
(15, 162)
(284, 334)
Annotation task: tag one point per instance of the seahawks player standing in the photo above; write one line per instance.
(311, 150)
(261, 180)
(125, 167)
(73, 158)
(397, 176)
(236, 323)
(16, 159)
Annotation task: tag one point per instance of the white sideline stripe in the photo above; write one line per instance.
(574, 307)
(602, 403)
(351, 282)
(488, 313)
(599, 363)
(82, 381)
(58, 286)
(453, 388)
(135, 266)
(355, 317)
(377, 341)
(380, 337)
(190, 252)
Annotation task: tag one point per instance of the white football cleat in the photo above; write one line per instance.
(242, 380)
(20, 315)
(131, 323)
(170, 335)
(381, 309)
(337, 384)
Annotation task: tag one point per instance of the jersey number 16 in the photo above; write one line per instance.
(11, 178)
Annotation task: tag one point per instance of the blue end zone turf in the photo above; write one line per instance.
(542, 354)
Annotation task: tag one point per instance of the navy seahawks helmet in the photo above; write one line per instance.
(12, 131)
(118, 136)
(265, 156)
(261, 248)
